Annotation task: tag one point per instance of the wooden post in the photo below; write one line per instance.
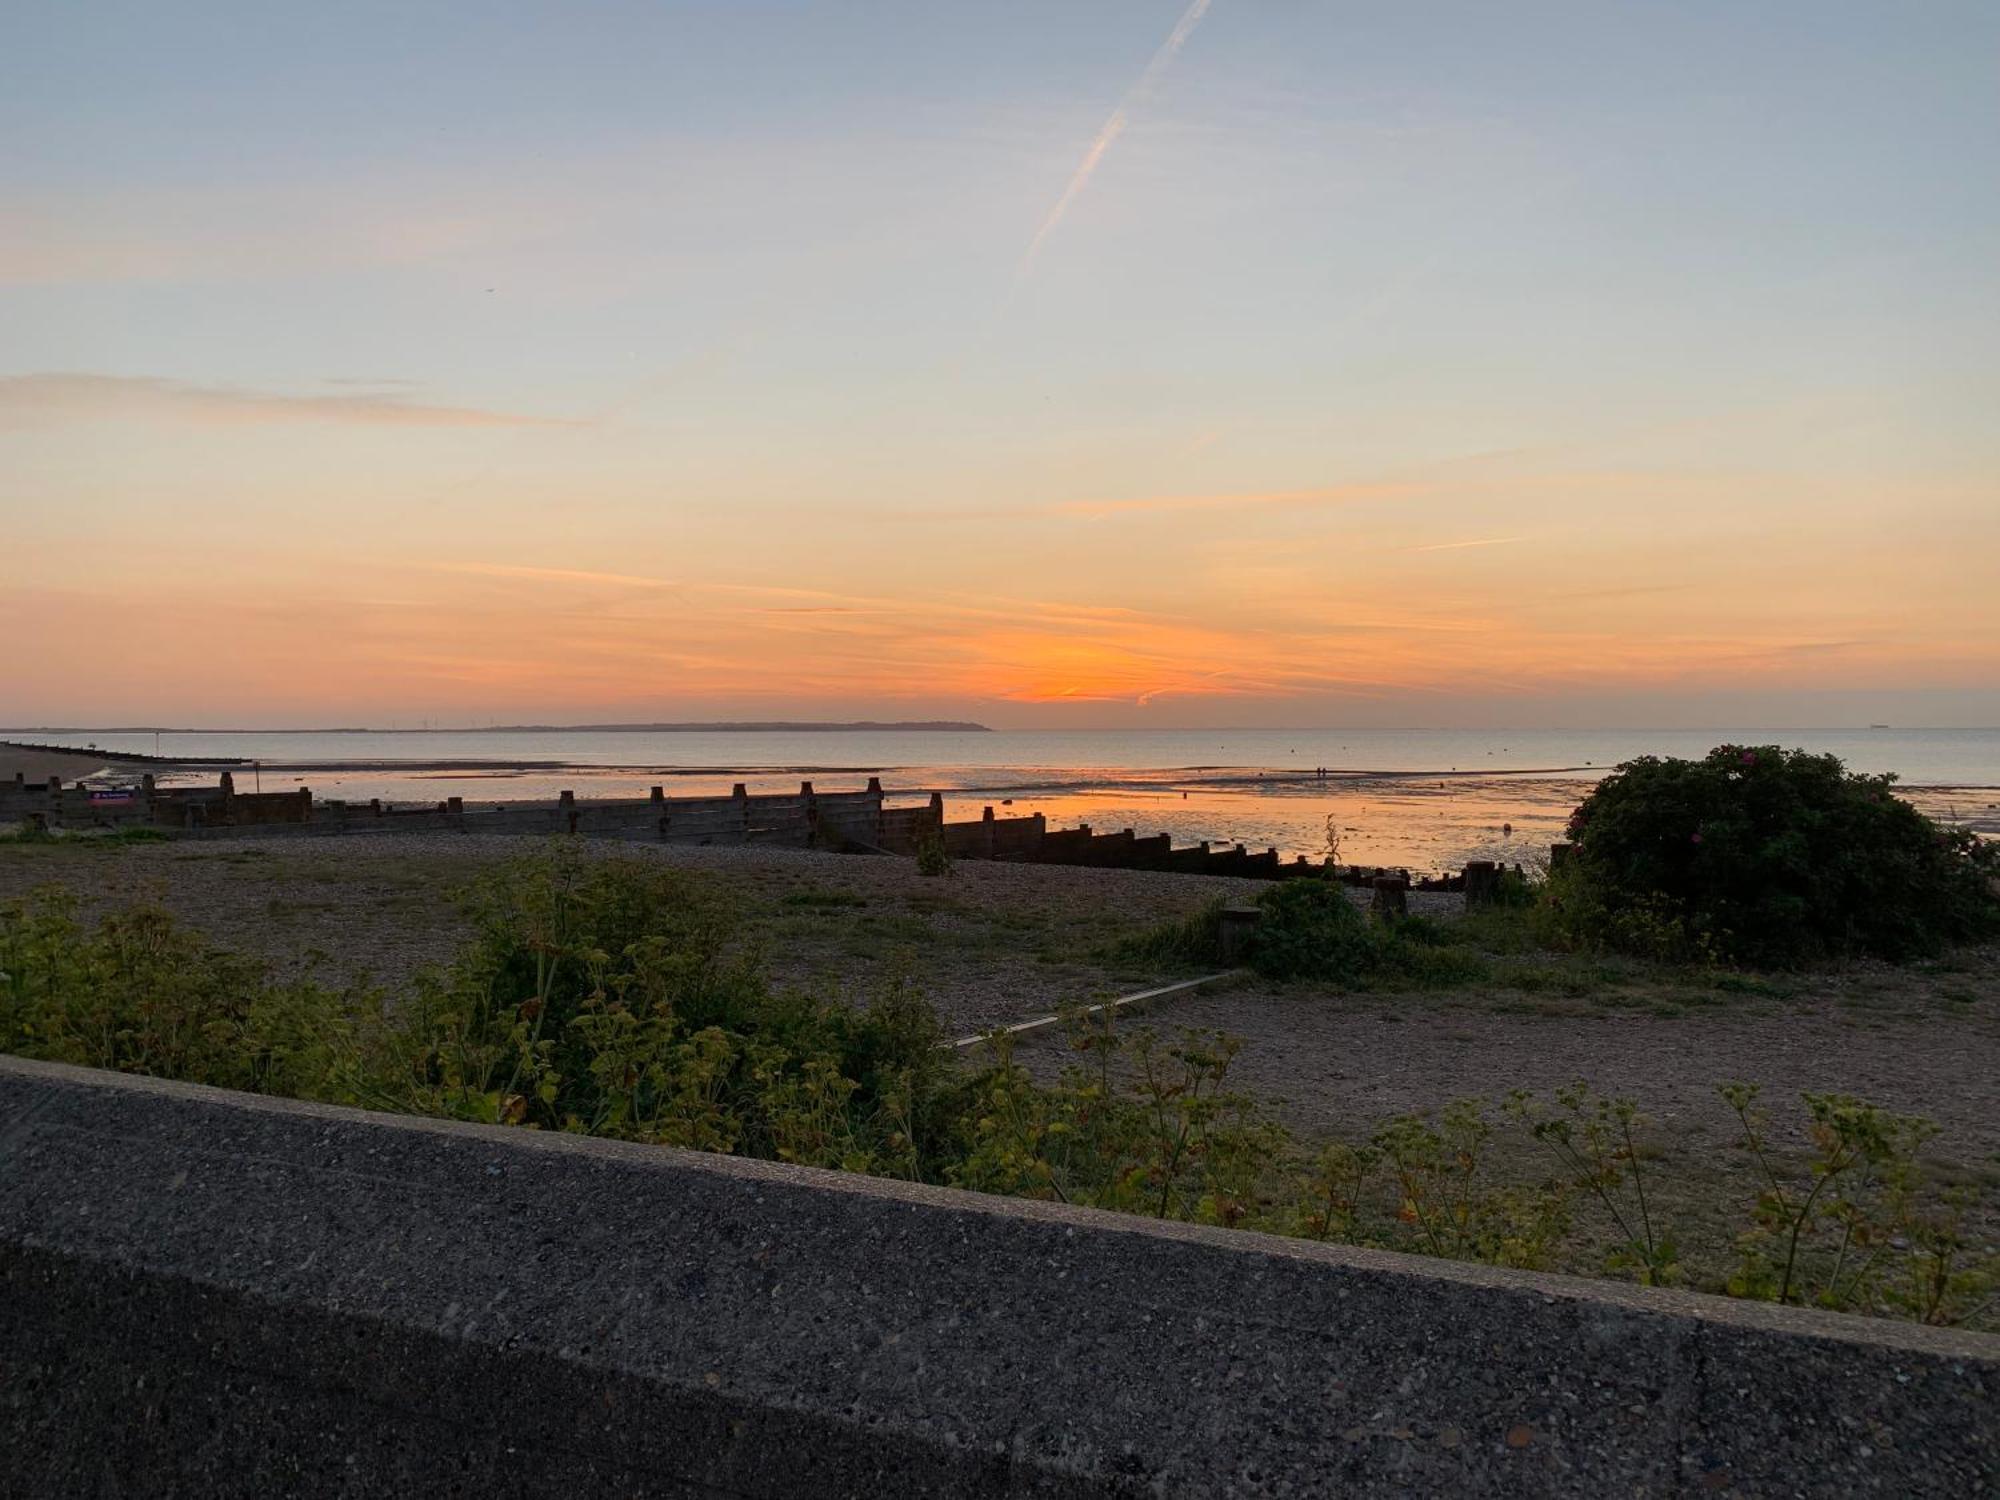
(1392, 896)
(1482, 883)
(1239, 922)
(566, 810)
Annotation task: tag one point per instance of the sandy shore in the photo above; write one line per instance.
(38, 765)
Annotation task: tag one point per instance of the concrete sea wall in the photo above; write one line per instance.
(209, 1293)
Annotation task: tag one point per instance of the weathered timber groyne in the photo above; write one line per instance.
(1029, 840)
(857, 821)
(217, 1294)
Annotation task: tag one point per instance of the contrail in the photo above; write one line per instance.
(1115, 127)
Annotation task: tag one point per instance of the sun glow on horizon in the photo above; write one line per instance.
(1361, 377)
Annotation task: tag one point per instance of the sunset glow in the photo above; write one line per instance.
(1143, 364)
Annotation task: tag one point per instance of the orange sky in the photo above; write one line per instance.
(1173, 364)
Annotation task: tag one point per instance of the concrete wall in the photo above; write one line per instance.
(206, 1293)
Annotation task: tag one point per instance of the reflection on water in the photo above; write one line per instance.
(1421, 825)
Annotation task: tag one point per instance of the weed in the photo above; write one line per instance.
(1195, 939)
(1858, 1231)
(1595, 1140)
(932, 857)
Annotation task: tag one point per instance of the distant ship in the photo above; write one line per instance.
(1878, 726)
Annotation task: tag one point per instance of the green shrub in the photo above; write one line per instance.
(604, 996)
(141, 994)
(1765, 856)
(932, 857)
(1311, 929)
(1193, 939)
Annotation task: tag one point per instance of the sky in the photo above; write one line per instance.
(1137, 362)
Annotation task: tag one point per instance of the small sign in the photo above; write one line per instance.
(110, 795)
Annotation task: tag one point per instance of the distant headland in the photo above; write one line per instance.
(772, 726)
(731, 726)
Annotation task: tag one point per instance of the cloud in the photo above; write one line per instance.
(79, 397)
(1484, 541)
(1097, 510)
(1114, 127)
(557, 575)
(1339, 494)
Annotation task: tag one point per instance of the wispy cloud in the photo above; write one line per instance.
(1482, 541)
(1339, 494)
(82, 397)
(1139, 505)
(1114, 127)
(556, 575)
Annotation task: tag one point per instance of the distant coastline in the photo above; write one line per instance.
(769, 726)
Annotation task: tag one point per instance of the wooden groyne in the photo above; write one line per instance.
(852, 821)
(1029, 840)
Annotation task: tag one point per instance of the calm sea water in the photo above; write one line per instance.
(1426, 798)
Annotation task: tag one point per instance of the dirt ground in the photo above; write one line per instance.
(988, 944)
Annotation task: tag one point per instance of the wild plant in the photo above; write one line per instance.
(1018, 1131)
(1446, 1202)
(1332, 1196)
(1595, 1139)
(1939, 1278)
(1823, 1240)
(932, 856)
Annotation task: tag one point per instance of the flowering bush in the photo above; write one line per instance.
(1766, 855)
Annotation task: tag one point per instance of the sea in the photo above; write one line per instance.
(1419, 798)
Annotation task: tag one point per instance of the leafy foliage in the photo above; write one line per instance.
(602, 996)
(932, 856)
(1767, 856)
(1310, 929)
